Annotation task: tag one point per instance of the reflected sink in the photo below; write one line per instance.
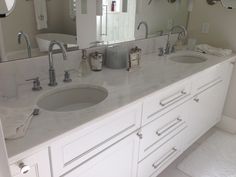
(190, 57)
(72, 98)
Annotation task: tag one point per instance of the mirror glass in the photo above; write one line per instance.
(125, 20)
(229, 3)
(33, 24)
(6, 7)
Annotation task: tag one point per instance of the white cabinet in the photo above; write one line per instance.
(165, 100)
(119, 160)
(158, 160)
(203, 112)
(143, 138)
(205, 109)
(37, 165)
(71, 151)
(162, 130)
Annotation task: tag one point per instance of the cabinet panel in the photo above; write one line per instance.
(38, 163)
(163, 129)
(73, 150)
(206, 79)
(204, 112)
(156, 162)
(164, 100)
(119, 160)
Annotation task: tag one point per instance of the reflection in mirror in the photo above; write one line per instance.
(116, 23)
(125, 20)
(6, 7)
(230, 4)
(33, 24)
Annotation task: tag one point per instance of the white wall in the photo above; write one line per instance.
(222, 33)
(161, 15)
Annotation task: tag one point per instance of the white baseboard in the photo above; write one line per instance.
(227, 124)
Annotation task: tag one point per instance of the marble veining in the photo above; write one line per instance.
(123, 88)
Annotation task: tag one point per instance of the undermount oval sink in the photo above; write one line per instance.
(187, 58)
(72, 98)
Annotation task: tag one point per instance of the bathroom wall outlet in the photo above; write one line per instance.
(205, 28)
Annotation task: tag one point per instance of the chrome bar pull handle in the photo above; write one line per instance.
(172, 124)
(167, 101)
(158, 164)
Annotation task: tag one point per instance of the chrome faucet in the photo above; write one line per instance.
(181, 35)
(146, 27)
(52, 75)
(26, 37)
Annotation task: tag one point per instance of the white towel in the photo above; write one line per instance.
(15, 122)
(40, 7)
(205, 48)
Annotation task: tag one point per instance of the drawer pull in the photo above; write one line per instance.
(173, 98)
(158, 164)
(24, 169)
(172, 124)
(140, 135)
(210, 84)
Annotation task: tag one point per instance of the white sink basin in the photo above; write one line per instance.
(72, 98)
(44, 40)
(190, 57)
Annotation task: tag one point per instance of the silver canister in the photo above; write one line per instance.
(96, 61)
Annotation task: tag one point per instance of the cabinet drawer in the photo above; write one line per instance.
(119, 160)
(38, 166)
(156, 162)
(166, 99)
(207, 79)
(162, 130)
(73, 150)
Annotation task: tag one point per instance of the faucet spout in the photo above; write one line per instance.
(52, 75)
(146, 27)
(182, 34)
(27, 40)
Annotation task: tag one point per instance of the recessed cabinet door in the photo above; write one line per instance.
(204, 111)
(119, 160)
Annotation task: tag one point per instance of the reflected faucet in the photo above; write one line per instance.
(182, 34)
(146, 27)
(26, 37)
(52, 75)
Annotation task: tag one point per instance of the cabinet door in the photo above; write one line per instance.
(119, 160)
(204, 112)
(36, 165)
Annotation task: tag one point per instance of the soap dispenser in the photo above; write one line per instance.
(84, 68)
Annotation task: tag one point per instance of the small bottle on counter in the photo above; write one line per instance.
(113, 6)
(96, 61)
(84, 68)
(134, 58)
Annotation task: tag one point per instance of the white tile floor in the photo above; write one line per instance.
(172, 170)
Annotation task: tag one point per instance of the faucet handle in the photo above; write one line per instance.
(36, 84)
(67, 77)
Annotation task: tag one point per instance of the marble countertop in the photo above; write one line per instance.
(123, 88)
